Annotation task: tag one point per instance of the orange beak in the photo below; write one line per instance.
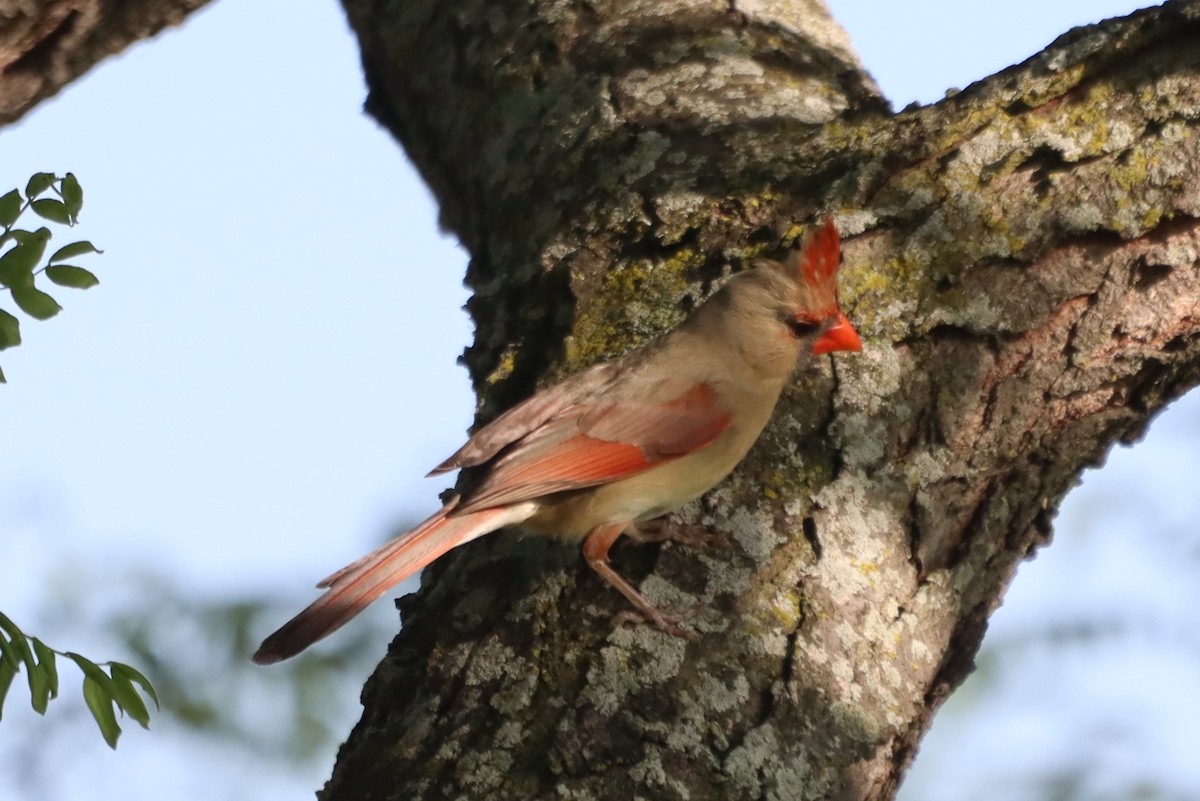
(840, 335)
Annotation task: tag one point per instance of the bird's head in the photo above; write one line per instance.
(808, 296)
(783, 310)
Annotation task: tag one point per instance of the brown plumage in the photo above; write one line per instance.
(622, 442)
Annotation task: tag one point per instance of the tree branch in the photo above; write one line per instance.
(46, 44)
(1022, 258)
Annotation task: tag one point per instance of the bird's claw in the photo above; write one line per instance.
(690, 534)
(669, 624)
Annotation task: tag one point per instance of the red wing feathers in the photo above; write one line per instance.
(580, 461)
(588, 445)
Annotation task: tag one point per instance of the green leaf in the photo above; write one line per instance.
(14, 632)
(72, 195)
(99, 702)
(22, 645)
(90, 668)
(72, 250)
(34, 302)
(9, 664)
(10, 208)
(39, 689)
(38, 184)
(8, 654)
(3, 380)
(10, 330)
(71, 276)
(7, 673)
(128, 699)
(16, 265)
(52, 210)
(102, 695)
(39, 686)
(133, 674)
(46, 662)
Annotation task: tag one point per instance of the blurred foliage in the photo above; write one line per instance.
(217, 708)
(194, 646)
(21, 250)
(197, 652)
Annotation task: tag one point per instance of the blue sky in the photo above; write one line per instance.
(250, 397)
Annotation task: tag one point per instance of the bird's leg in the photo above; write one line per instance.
(595, 549)
(690, 534)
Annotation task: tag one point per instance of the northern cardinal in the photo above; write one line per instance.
(620, 443)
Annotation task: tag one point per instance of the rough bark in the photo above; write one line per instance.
(46, 44)
(1022, 259)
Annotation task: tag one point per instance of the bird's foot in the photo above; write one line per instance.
(595, 550)
(690, 534)
(664, 622)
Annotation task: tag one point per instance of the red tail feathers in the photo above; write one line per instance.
(354, 587)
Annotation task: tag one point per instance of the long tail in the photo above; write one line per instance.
(354, 587)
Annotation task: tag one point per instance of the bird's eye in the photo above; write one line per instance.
(802, 328)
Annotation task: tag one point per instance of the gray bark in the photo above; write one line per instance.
(1021, 257)
(46, 44)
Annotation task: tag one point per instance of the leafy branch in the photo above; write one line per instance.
(21, 253)
(19, 263)
(103, 693)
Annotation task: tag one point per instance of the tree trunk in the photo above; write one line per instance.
(1021, 259)
(46, 44)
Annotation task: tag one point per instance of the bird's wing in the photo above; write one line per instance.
(589, 444)
(528, 416)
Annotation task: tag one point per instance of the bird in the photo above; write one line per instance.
(620, 443)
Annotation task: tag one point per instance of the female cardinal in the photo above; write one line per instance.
(620, 443)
